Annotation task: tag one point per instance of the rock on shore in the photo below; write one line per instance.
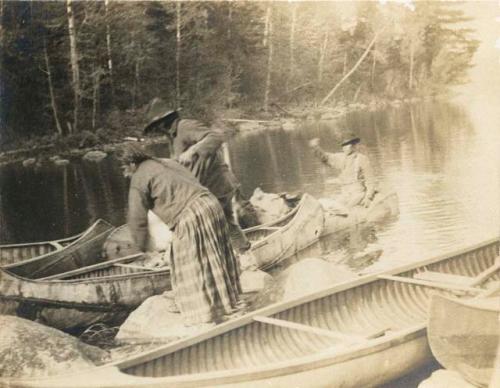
(95, 156)
(29, 349)
(304, 277)
(157, 318)
(443, 378)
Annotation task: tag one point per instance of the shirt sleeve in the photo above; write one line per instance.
(203, 140)
(138, 217)
(329, 158)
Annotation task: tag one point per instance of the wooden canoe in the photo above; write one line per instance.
(77, 286)
(464, 335)
(360, 333)
(384, 206)
(271, 242)
(82, 251)
(12, 253)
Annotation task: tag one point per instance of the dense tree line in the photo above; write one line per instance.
(72, 66)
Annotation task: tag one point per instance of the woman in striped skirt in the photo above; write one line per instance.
(204, 270)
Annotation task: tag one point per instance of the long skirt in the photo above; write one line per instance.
(204, 270)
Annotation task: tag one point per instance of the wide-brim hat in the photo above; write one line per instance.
(349, 138)
(159, 111)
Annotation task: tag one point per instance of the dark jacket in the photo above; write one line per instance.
(208, 164)
(166, 188)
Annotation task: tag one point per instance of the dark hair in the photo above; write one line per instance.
(133, 153)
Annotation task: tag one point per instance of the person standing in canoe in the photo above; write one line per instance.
(356, 174)
(199, 149)
(204, 271)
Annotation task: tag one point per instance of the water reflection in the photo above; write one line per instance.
(438, 157)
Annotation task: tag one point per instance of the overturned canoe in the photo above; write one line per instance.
(464, 336)
(361, 333)
(384, 206)
(271, 242)
(12, 253)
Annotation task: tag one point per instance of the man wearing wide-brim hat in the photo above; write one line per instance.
(356, 175)
(198, 148)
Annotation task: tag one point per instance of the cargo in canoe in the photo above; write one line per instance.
(361, 333)
(464, 336)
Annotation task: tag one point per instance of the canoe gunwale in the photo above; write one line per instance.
(48, 242)
(82, 235)
(97, 279)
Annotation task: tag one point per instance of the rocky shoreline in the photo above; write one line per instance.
(37, 155)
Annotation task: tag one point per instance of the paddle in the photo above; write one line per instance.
(459, 280)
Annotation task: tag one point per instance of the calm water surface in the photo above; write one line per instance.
(441, 159)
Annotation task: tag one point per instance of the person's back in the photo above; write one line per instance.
(163, 186)
(207, 162)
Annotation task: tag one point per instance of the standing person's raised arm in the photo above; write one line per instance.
(329, 158)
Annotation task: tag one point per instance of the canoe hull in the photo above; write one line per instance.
(464, 336)
(296, 234)
(73, 304)
(378, 367)
(249, 349)
(382, 208)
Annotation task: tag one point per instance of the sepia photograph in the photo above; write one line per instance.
(246, 193)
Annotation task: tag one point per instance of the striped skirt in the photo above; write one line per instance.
(204, 270)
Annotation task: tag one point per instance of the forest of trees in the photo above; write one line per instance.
(73, 66)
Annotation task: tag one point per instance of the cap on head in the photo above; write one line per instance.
(349, 138)
(158, 111)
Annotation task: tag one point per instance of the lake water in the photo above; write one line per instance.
(440, 158)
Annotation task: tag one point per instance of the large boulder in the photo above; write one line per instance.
(304, 277)
(311, 275)
(29, 349)
(157, 318)
(255, 281)
(443, 378)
